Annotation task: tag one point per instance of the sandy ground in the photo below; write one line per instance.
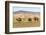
(24, 20)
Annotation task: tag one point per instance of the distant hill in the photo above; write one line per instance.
(29, 12)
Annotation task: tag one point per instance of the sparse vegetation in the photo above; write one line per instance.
(25, 21)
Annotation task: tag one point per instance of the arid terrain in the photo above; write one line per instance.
(26, 20)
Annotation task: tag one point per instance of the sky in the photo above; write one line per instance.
(33, 9)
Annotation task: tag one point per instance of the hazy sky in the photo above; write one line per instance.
(33, 9)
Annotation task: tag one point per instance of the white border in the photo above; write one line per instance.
(11, 29)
